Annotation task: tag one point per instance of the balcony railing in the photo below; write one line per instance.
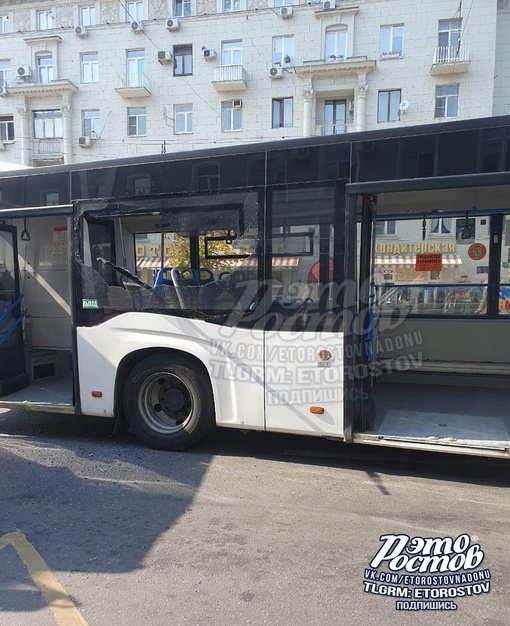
(450, 59)
(229, 78)
(49, 147)
(330, 129)
(133, 85)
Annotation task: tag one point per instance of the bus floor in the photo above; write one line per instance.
(471, 417)
(48, 394)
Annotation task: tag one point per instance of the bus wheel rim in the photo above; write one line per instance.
(165, 403)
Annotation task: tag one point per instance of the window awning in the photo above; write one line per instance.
(285, 262)
(382, 261)
(151, 263)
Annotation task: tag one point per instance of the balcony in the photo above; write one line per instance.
(133, 85)
(229, 78)
(348, 66)
(324, 130)
(47, 149)
(28, 88)
(450, 60)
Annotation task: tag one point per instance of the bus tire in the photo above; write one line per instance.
(168, 402)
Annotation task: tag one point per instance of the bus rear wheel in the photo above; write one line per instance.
(168, 402)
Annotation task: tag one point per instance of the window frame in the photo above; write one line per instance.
(447, 98)
(333, 34)
(392, 52)
(44, 70)
(183, 52)
(284, 51)
(45, 19)
(281, 114)
(5, 73)
(91, 64)
(134, 11)
(232, 52)
(56, 119)
(225, 108)
(7, 123)
(87, 15)
(186, 115)
(449, 31)
(137, 116)
(93, 134)
(235, 5)
(182, 8)
(4, 24)
(388, 118)
(386, 228)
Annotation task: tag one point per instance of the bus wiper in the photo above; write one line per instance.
(125, 272)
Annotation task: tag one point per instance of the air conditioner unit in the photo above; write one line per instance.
(24, 71)
(136, 27)
(328, 4)
(81, 31)
(172, 23)
(285, 12)
(209, 55)
(164, 57)
(237, 104)
(84, 142)
(3, 91)
(276, 72)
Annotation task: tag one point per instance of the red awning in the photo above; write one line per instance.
(284, 262)
(151, 263)
(382, 261)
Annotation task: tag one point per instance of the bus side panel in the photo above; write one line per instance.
(233, 358)
(302, 372)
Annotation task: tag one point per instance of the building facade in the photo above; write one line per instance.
(107, 79)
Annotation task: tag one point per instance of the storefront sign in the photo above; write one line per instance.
(477, 251)
(414, 248)
(429, 262)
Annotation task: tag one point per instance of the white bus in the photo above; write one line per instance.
(239, 287)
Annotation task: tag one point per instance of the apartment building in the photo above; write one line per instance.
(111, 78)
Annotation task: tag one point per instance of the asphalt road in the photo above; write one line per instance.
(243, 529)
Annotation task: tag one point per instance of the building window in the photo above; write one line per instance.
(87, 16)
(90, 124)
(5, 73)
(447, 101)
(441, 226)
(182, 8)
(137, 122)
(231, 5)
(388, 227)
(135, 68)
(44, 20)
(183, 115)
(48, 124)
(89, 67)
(336, 46)
(392, 40)
(4, 24)
(334, 117)
(282, 112)
(44, 69)
(50, 197)
(6, 128)
(232, 53)
(231, 116)
(388, 106)
(283, 50)
(183, 60)
(449, 33)
(283, 3)
(134, 11)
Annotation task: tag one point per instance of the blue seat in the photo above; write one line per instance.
(203, 276)
(161, 277)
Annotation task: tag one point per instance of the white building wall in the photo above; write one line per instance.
(502, 71)
(256, 27)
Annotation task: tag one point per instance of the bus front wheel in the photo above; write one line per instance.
(168, 402)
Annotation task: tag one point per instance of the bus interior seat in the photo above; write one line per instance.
(203, 276)
(161, 278)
